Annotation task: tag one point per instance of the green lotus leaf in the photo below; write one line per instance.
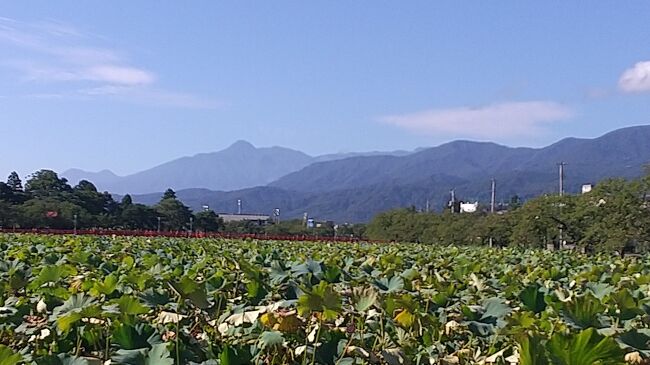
(363, 298)
(533, 298)
(270, 339)
(531, 350)
(637, 339)
(129, 305)
(320, 299)
(584, 312)
(585, 348)
(8, 356)
(73, 309)
(194, 291)
(394, 284)
(106, 286)
(159, 355)
(600, 290)
(129, 337)
(52, 274)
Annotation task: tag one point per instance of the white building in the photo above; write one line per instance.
(468, 207)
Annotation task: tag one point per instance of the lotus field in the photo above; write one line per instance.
(106, 300)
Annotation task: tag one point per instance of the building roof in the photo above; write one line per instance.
(227, 217)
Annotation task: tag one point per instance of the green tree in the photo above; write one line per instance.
(7, 214)
(12, 191)
(6, 193)
(169, 194)
(497, 227)
(126, 201)
(208, 221)
(85, 194)
(175, 215)
(46, 183)
(138, 216)
(14, 182)
(546, 220)
(51, 212)
(616, 216)
(515, 202)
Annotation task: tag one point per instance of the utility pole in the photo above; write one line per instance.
(561, 167)
(493, 196)
(452, 203)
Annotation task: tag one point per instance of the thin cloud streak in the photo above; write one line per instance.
(495, 121)
(59, 54)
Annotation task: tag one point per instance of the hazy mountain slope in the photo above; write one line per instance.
(461, 159)
(101, 178)
(619, 153)
(236, 167)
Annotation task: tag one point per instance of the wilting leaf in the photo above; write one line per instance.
(405, 318)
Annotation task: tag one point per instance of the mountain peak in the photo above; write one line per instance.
(241, 145)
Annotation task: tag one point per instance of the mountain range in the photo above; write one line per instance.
(239, 166)
(355, 187)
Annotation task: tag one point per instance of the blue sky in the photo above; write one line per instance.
(127, 85)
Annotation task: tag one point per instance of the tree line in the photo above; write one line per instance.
(614, 215)
(48, 201)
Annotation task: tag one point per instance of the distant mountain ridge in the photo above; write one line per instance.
(354, 189)
(239, 166)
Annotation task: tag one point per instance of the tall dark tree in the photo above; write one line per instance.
(6, 193)
(85, 194)
(126, 201)
(14, 182)
(7, 214)
(174, 214)
(169, 194)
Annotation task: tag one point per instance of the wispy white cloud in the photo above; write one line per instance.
(152, 96)
(636, 79)
(495, 121)
(59, 53)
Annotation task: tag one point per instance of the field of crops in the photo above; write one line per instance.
(93, 300)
